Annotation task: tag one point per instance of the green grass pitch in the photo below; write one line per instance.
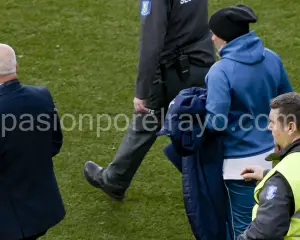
(85, 52)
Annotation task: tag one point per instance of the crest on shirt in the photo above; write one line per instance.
(146, 7)
(271, 192)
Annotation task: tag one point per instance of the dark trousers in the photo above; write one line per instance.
(241, 199)
(143, 127)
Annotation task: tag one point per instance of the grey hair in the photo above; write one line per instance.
(8, 61)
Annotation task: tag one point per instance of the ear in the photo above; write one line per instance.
(292, 128)
(17, 66)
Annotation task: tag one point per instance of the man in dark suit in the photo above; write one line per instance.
(30, 201)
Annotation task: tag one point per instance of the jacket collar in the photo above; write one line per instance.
(10, 86)
(293, 147)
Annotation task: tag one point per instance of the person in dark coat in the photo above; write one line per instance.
(175, 52)
(30, 200)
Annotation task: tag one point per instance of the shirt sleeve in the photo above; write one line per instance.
(153, 20)
(218, 100)
(274, 212)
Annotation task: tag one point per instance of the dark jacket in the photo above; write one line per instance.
(274, 215)
(198, 156)
(169, 27)
(30, 201)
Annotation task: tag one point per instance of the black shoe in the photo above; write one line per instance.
(93, 174)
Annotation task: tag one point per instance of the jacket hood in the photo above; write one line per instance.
(247, 49)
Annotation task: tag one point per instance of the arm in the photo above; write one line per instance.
(153, 29)
(218, 100)
(285, 85)
(274, 213)
(57, 136)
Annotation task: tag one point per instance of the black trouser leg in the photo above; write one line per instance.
(137, 141)
(134, 147)
(142, 131)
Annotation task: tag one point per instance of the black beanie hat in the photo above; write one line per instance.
(232, 22)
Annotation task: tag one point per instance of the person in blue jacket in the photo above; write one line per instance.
(240, 87)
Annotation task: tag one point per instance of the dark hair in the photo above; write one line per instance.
(289, 108)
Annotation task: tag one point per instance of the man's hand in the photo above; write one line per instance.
(139, 105)
(253, 172)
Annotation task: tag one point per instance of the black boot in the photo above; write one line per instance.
(93, 174)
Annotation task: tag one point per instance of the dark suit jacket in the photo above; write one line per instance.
(30, 135)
